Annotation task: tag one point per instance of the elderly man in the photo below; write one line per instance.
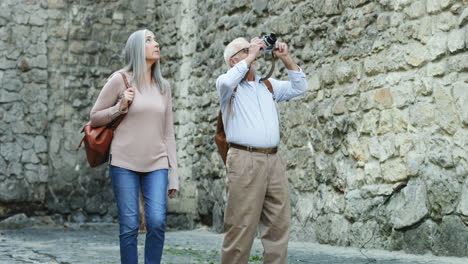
(258, 192)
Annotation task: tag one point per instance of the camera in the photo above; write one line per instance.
(270, 41)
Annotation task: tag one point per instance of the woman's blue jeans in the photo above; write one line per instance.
(126, 184)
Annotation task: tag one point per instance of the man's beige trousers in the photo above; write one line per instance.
(257, 195)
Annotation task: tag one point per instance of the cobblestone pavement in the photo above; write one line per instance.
(98, 243)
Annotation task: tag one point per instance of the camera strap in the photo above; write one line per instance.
(272, 69)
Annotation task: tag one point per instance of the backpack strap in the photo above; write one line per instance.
(230, 106)
(270, 88)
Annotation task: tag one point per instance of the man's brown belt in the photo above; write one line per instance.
(261, 150)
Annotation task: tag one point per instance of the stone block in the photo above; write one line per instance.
(460, 93)
(450, 232)
(259, 6)
(29, 156)
(344, 72)
(375, 190)
(417, 54)
(363, 234)
(437, 46)
(11, 151)
(463, 205)
(77, 47)
(443, 190)
(440, 151)
(457, 40)
(353, 103)
(55, 4)
(14, 190)
(408, 207)
(16, 221)
(400, 120)
(314, 82)
(340, 106)
(421, 114)
(8, 97)
(327, 74)
(463, 19)
(38, 19)
(414, 162)
(374, 65)
(445, 113)
(384, 97)
(394, 170)
(332, 229)
(7, 64)
(434, 6)
(382, 147)
(416, 10)
(423, 30)
(458, 63)
(373, 172)
(420, 239)
(331, 7)
(446, 21)
(182, 205)
(308, 208)
(437, 69)
(367, 100)
(358, 148)
(403, 95)
(325, 168)
(358, 208)
(385, 122)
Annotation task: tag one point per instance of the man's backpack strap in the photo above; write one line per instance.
(220, 136)
(269, 86)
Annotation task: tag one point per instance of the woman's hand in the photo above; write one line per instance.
(171, 193)
(127, 98)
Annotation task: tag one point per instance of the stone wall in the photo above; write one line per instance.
(386, 110)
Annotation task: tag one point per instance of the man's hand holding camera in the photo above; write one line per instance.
(281, 51)
(256, 45)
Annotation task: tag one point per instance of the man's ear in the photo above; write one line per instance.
(232, 62)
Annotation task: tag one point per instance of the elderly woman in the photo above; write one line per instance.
(143, 148)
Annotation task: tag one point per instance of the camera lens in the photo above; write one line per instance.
(270, 40)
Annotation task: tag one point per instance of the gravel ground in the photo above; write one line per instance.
(98, 243)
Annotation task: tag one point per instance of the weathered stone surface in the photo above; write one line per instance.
(437, 46)
(460, 93)
(443, 191)
(420, 240)
(451, 231)
(421, 114)
(457, 40)
(15, 222)
(394, 170)
(330, 229)
(382, 147)
(358, 208)
(445, 110)
(408, 207)
(463, 205)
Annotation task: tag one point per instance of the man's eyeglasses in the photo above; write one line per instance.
(245, 50)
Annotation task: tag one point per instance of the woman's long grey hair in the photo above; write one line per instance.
(135, 61)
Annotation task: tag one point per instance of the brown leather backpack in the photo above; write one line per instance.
(97, 140)
(220, 135)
